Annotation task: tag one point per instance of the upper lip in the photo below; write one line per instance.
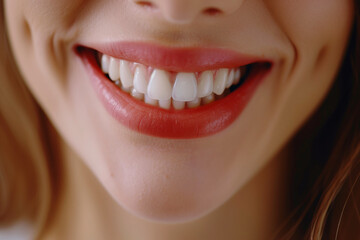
(176, 59)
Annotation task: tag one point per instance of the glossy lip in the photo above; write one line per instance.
(177, 124)
(185, 59)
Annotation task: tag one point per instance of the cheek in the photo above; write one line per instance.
(318, 32)
(36, 26)
(39, 31)
(47, 14)
(312, 22)
(41, 42)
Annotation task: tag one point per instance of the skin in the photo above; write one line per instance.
(202, 186)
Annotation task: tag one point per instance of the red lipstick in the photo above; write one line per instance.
(179, 124)
(175, 59)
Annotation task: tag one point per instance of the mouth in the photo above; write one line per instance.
(172, 93)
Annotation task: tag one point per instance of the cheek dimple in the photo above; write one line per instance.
(26, 29)
(321, 57)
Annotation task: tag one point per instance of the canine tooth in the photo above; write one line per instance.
(105, 62)
(166, 104)
(230, 78)
(220, 81)
(205, 86)
(195, 103)
(159, 86)
(137, 94)
(150, 101)
(185, 87)
(126, 76)
(178, 105)
(140, 83)
(208, 99)
(114, 69)
(237, 76)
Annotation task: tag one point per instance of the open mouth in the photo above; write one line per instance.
(171, 99)
(171, 90)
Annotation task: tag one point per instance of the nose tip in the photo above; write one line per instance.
(185, 11)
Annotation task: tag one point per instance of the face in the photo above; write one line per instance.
(163, 171)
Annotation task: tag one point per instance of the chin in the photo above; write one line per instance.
(167, 210)
(167, 194)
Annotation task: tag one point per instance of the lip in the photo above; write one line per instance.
(185, 59)
(177, 124)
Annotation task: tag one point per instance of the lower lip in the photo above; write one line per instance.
(177, 124)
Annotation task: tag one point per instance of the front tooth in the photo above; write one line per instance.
(185, 87)
(178, 105)
(140, 83)
(114, 69)
(206, 84)
(105, 62)
(230, 78)
(126, 76)
(220, 81)
(159, 85)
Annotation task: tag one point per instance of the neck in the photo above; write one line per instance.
(86, 211)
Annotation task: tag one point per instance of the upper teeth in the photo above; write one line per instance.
(185, 87)
(161, 87)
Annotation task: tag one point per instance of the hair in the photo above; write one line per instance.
(27, 176)
(325, 188)
(324, 191)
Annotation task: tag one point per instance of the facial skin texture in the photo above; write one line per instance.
(180, 180)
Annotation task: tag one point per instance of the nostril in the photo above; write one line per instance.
(145, 4)
(212, 11)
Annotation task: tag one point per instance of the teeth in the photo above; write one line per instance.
(170, 90)
(126, 76)
(166, 104)
(159, 87)
(140, 83)
(208, 99)
(126, 89)
(237, 76)
(185, 87)
(195, 103)
(114, 69)
(230, 78)
(118, 83)
(105, 63)
(178, 105)
(137, 94)
(205, 87)
(220, 81)
(150, 101)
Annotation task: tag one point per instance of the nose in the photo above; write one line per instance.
(185, 11)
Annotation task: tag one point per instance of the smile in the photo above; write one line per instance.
(172, 93)
(171, 90)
